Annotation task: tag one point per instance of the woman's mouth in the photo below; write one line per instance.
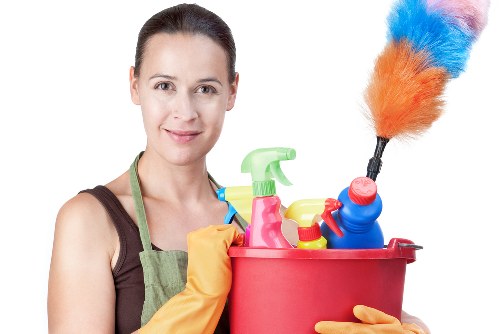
(182, 136)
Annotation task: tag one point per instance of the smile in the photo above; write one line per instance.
(182, 137)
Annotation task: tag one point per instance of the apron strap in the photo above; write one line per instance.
(140, 212)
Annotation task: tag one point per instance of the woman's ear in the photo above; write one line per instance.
(134, 83)
(233, 89)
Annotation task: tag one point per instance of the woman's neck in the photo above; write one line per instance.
(162, 180)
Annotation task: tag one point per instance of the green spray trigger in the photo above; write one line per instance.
(278, 173)
(264, 164)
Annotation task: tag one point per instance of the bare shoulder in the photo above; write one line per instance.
(83, 217)
(81, 287)
(81, 206)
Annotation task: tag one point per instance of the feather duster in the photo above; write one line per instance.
(429, 43)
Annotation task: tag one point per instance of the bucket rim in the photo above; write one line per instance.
(398, 248)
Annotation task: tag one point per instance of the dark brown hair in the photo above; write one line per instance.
(188, 18)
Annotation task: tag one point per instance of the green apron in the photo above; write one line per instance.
(164, 271)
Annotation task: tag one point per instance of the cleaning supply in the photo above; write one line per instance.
(372, 320)
(429, 43)
(239, 200)
(361, 206)
(264, 164)
(307, 213)
(208, 283)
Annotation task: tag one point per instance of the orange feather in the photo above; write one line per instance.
(404, 94)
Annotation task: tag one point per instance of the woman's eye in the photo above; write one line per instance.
(206, 90)
(164, 86)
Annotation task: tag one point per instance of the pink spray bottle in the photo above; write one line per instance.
(265, 227)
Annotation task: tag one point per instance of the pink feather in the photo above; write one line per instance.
(471, 15)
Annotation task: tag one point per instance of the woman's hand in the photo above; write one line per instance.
(373, 322)
(198, 307)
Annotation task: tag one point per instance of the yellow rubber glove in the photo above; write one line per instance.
(198, 307)
(373, 322)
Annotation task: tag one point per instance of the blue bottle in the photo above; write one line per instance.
(357, 218)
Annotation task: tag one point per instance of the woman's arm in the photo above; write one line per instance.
(81, 295)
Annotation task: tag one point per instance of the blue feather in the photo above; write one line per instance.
(439, 35)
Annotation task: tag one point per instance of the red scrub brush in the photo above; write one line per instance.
(429, 43)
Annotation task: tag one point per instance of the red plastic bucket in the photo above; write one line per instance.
(288, 290)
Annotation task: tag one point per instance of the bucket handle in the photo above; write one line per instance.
(410, 245)
(403, 248)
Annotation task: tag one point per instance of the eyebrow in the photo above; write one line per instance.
(164, 76)
(169, 77)
(210, 80)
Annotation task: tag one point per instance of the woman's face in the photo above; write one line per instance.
(184, 93)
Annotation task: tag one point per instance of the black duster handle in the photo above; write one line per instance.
(375, 163)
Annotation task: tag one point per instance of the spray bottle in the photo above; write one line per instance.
(264, 164)
(307, 213)
(239, 200)
(361, 206)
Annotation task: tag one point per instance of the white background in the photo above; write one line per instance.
(67, 123)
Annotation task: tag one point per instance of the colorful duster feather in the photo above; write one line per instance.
(429, 43)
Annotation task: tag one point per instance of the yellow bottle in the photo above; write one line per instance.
(306, 213)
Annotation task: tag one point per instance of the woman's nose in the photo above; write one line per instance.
(184, 108)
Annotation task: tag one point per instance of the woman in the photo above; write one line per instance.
(184, 79)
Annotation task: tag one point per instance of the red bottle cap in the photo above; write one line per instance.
(309, 233)
(362, 191)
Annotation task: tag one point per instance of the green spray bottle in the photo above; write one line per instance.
(264, 164)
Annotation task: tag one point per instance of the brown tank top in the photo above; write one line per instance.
(127, 273)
